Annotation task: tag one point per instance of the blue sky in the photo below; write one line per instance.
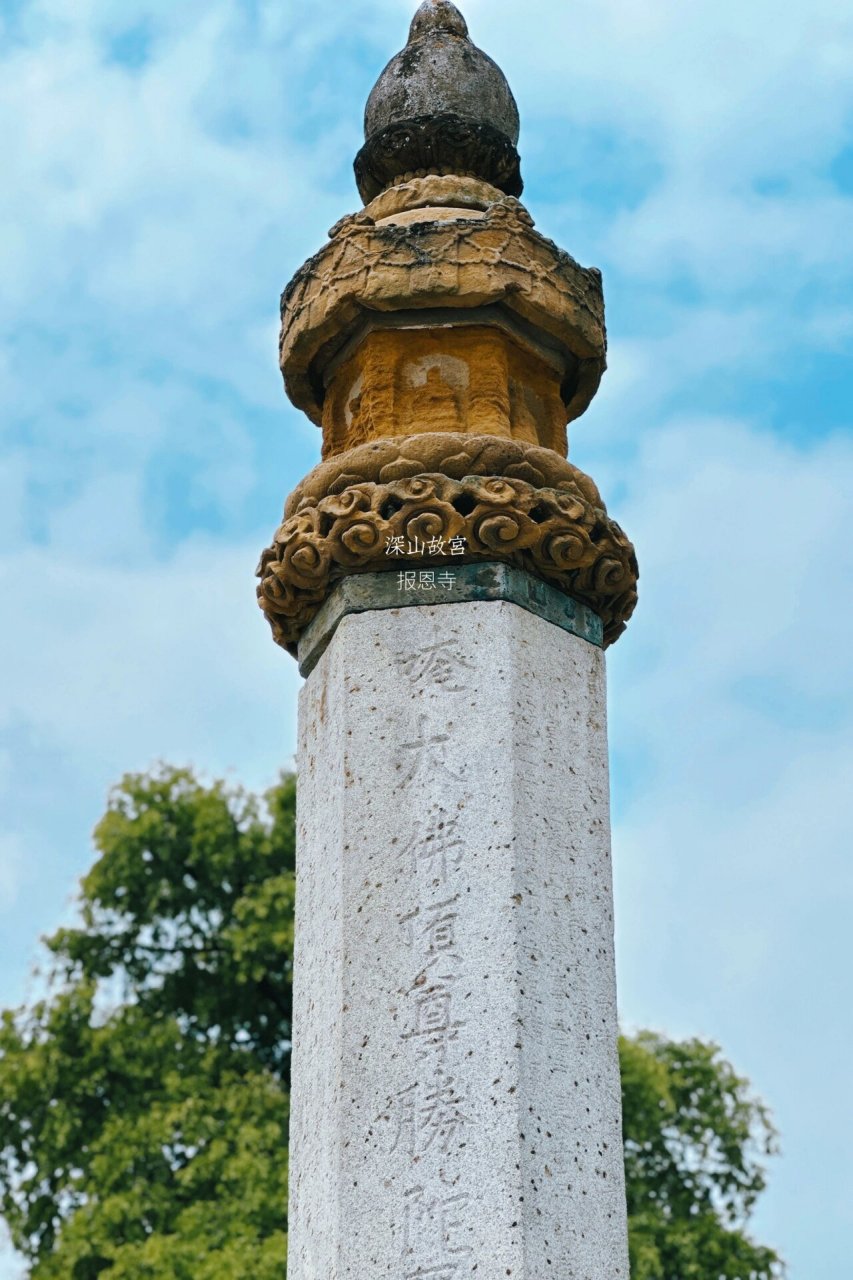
(166, 168)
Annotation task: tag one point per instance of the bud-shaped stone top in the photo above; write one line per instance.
(441, 71)
(438, 15)
(440, 106)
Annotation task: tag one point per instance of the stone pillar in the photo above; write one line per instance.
(448, 581)
(456, 1099)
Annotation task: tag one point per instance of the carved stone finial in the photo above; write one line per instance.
(435, 16)
(441, 106)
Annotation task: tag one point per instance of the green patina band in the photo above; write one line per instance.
(362, 592)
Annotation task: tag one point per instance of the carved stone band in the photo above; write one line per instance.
(452, 453)
(556, 534)
(437, 144)
(496, 258)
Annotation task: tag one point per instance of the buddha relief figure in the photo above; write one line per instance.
(432, 403)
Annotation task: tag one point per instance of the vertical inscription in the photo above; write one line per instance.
(429, 1119)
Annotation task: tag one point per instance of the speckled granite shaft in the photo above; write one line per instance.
(456, 1103)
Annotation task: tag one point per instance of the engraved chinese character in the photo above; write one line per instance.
(433, 931)
(434, 927)
(441, 1116)
(406, 580)
(427, 580)
(437, 664)
(427, 755)
(432, 1012)
(394, 547)
(446, 579)
(439, 928)
(434, 1226)
(437, 847)
(433, 1029)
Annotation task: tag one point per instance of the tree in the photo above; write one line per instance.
(695, 1140)
(143, 1098)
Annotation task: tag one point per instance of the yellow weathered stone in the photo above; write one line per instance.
(495, 260)
(475, 380)
(429, 213)
(438, 191)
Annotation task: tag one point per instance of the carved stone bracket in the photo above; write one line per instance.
(557, 534)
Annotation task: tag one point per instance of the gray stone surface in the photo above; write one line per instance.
(456, 1101)
(437, 15)
(441, 71)
(361, 592)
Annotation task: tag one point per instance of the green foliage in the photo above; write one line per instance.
(143, 1100)
(695, 1141)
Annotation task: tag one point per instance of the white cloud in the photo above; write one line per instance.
(737, 111)
(732, 722)
(117, 665)
(644, 369)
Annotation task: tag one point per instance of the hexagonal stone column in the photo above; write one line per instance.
(456, 1098)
